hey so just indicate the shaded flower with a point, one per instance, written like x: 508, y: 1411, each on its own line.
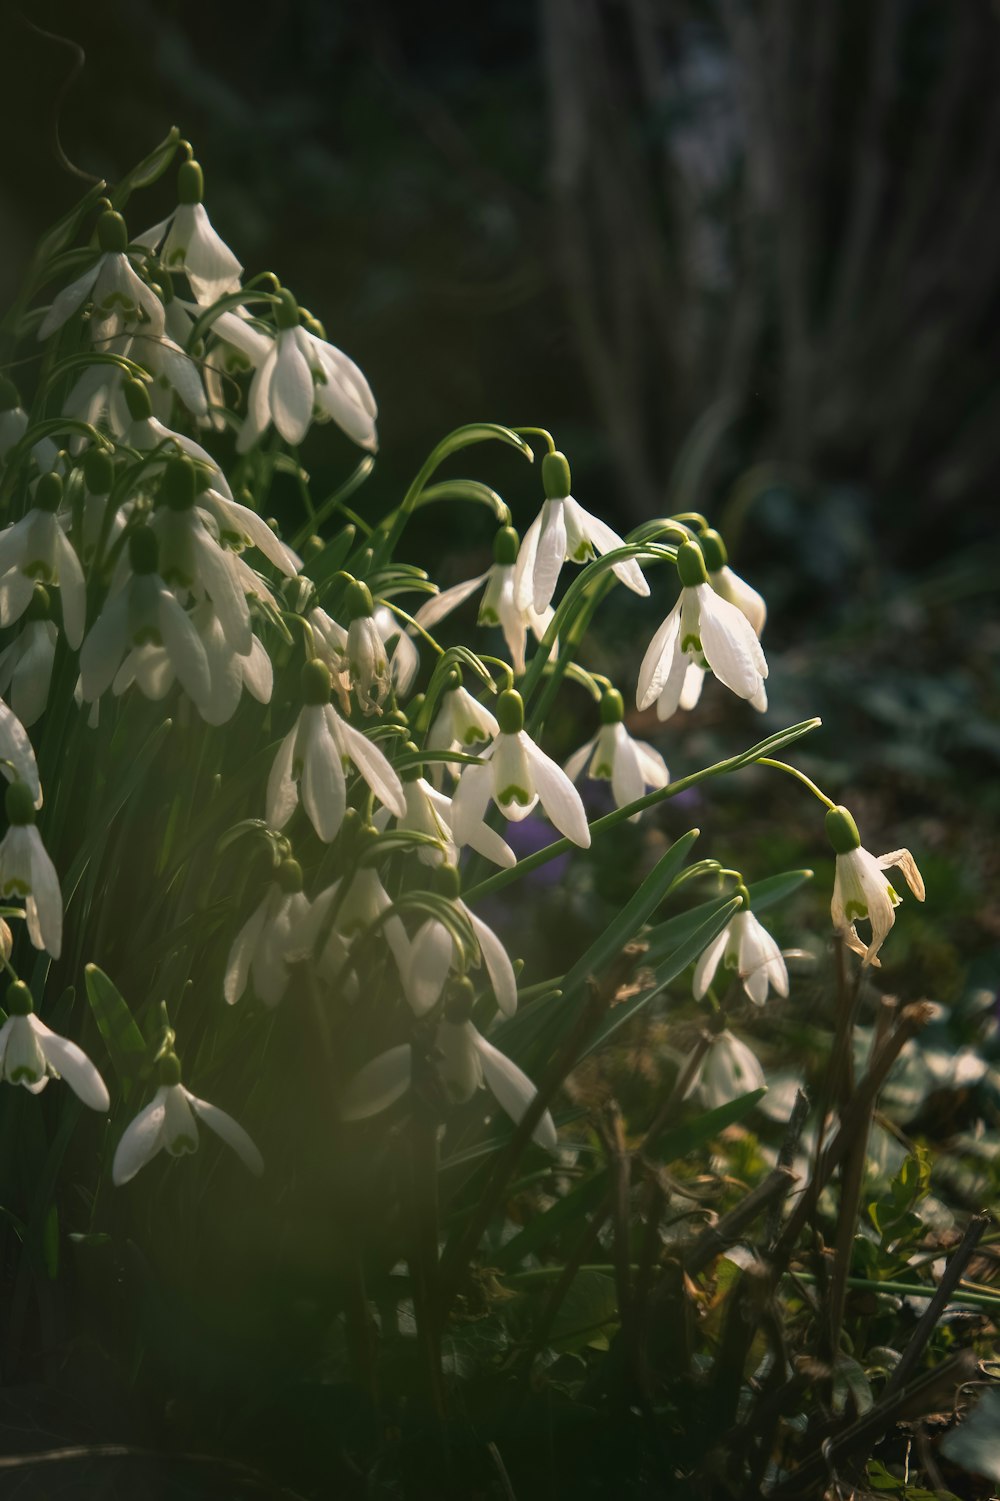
x: 37, y: 550
x: 612, y: 755
x: 119, y: 295
x: 259, y: 952
x: 498, y: 607
x: 191, y: 245
x: 170, y: 1123
x: 747, y: 947
x: 27, y: 872
x: 729, y: 1070
x: 31, y: 1054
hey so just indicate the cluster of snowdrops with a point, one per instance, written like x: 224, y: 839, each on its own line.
x: 134, y: 542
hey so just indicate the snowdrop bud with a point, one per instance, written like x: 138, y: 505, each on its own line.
x: 612, y: 707
x: 315, y: 681
x: 48, y: 493
x: 358, y: 602
x: 98, y: 470
x: 190, y: 183
x: 178, y: 487
x: 143, y: 550
x: 714, y: 550
x: 842, y: 831
x: 556, y: 476
x: 140, y: 408
x: 505, y: 546
x: 112, y: 234
x: 19, y: 805
x: 397, y: 717
x: 286, y: 310
x: 19, y: 1000
x: 459, y: 1001
x: 9, y: 396
x: 170, y: 1070
x: 691, y: 565
x: 510, y: 712
x: 40, y: 607
x: 289, y: 876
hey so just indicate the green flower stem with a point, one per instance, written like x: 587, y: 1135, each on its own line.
x: 912, y: 1290
x: 661, y: 794
x: 800, y: 776
x: 536, y: 432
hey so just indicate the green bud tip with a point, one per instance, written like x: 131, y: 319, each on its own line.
x: 178, y: 485
x: 458, y: 1004
x: 286, y: 310
x: 137, y: 400
x: 190, y: 183
x: 714, y: 550
x: 170, y: 1069
x: 448, y: 882
x: 289, y: 876
x: 143, y: 550
x: 556, y: 478
x: 842, y: 831
x: 415, y: 772
x: 691, y: 565
x: 358, y: 601
x: 19, y: 1000
x: 398, y: 718
x: 40, y: 604
x: 744, y: 896
x: 612, y: 707
x: 452, y: 680
x: 9, y: 395
x: 112, y: 234
x: 48, y: 492
x: 19, y: 804
x: 98, y: 470
x: 505, y: 546
x: 315, y: 682
x: 510, y: 712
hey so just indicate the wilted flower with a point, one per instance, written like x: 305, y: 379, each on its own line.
x: 170, y: 1123
x: 564, y: 532
x: 31, y: 1053
x: 860, y: 890
x: 629, y: 765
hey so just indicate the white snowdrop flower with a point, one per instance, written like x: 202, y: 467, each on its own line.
x: 701, y: 625
x: 191, y: 558
x: 564, y: 532
x: 98, y: 470
x: 517, y: 775
x: 464, y: 1062
x: 434, y: 953
x: 17, y: 758
x: 26, y: 665
x: 259, y: 951
x: 728, y: 584
x: 404, y: 658
x: 14, y: 425
x: 748, y: 948
x: 498, y: 606
x: 461, y: 722
x: 295, y: 373
x: 363, y: 904
x: 120, y: 298
x: 169, y: 1123
x: 36, y: 549
x: 428, y: 812
x: 27, y: 872
x: 729, y: 1070
x: 861, y: 890
x: 143, y: 612
x: 612, y: 755
x: 31, y: 1054
x: 367, y: 660
x: 229, y: 671
x: 311, y: 760
x: 191, y: 245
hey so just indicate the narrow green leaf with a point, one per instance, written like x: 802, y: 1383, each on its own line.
x: 681, y: 1140
x: 148, y: 171
x: 125, y: 1044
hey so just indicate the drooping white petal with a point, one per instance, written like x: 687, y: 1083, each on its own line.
x: 184, y: 645
x: 72, y: 1063
x: 210, y: 266
x: 242, y: 951
x: 578, y: 760
x: 904, y: 861
x: 44, y: 908
x: 430, y: 959
x: 498, y: 965
x: 282, y: 791
x: 229, y: 1131
x: 69, y: 299
x: 291, y: 389
x: 551, y: 554
x: 141, y: 1140
x: 704, y: 971
x: 459, y: 1065
x: 324, y: 790
x: 556, y: 792
x: 440, y: 605
x: 471, y: 798
x: 604, y: 539
x: 627, y: 782
x: 514, y: 1091
x: 23, y: 1056
x: 514, y: 789
x: 372, y: 765
x: 72, y: 588
x: 258, y: 418
x: 378, y: 1085
x: 731, y: 648
x: 658, y: 660
x: 16, y: 747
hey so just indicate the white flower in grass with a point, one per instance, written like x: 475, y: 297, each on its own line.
x: 364, y: 904
x: 230, y: 672
x: 120, y: 298
x: 460, y: 724
x: 464, y: 1062
x: 191, y: 245
x: 498, y: 607
x: 141, y: 613
x: 748, y: 948
x: 729, y: 1070
x: 26, y: 665
x: 311, y: 760
x: 861, y: 890
x: 434, y: 953
x: 517, y: 775
x: 297, y: 372
x: 169, y: 1123
x: 701, y: 627
x: 429, y: 811
x: 37, y: 550
x: 27, y: 872
x: 564, y: 532
x: 31, y: 1054
x: 259, y: 953
x: 612, y: 755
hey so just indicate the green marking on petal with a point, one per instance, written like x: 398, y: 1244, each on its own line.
x: 514, y: 794
x: 691, y: 643
x: 25, y: 1075
x: 603, y: 769
x: 182, y: 1145
x: 854, y: 910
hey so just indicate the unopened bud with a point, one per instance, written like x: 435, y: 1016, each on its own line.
x: 842, y: 831
x: 505, y: 546
x: 49, y: 492
x: 137, y: 400
x: 714, y: 550
x: 316, y: 684
x: 556, y: 478
x: 19, y: 999
x: 19, y: 805
x: 691, y: 565
x: 112, y: 233
x: 510, y: 712
x: 190, y: 183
